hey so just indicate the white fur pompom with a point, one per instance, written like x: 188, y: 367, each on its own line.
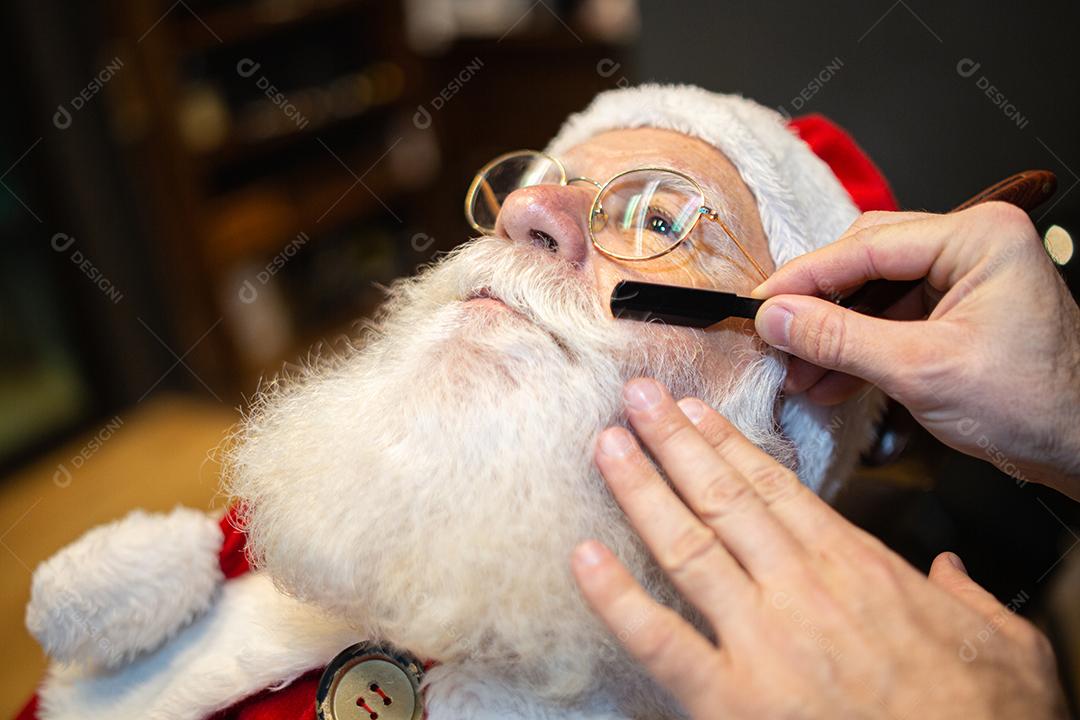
x: 125, y: 587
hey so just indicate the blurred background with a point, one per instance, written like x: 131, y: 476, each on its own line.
x: 195, y: 193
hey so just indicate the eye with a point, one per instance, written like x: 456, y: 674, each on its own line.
x: 659, y: 222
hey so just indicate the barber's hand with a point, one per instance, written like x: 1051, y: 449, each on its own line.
x: 994, y: 371
x: 814, y: 618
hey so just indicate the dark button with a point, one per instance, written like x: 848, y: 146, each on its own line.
x: 370, y: 682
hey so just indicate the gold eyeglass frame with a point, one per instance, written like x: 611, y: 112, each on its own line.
x: 478, y: 185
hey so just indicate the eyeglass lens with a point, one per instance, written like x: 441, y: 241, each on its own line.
x: 511, y: 173
x: 644, y: 213
x: 640, y: 214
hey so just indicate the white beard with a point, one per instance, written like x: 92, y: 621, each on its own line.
x: 429, y: 483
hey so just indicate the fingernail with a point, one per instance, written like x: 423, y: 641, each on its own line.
x: 615, y: 442
x: 757, y: 292
x: 642, y: 394
x: 956, y: 562
x: 693, y: 409
x: 774, y: 326
x: 590, y: 553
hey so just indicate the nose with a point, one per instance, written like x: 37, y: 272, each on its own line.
x: 550, y: 216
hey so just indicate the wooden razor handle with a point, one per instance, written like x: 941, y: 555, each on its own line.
x: 1026, y: 190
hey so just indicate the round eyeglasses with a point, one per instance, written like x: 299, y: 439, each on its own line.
x: 638, y: 214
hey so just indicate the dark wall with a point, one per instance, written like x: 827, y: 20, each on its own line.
x: 894, y: 81
x: 901, y: 76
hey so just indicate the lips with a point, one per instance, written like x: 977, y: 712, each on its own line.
x: 483, y: 294
x: 486, y: 296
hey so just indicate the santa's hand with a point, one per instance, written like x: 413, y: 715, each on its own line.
x: 994, y: 371
x: 813, y: 617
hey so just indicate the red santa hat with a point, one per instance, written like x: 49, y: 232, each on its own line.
x: 810, y: 181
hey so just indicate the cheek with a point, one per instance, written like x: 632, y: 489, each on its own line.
x: 721, y: 350
x: 673, y: 269
x: 732, y: 344
x: 607, y: 275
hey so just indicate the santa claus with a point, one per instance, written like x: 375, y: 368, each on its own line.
x: 409, y: 505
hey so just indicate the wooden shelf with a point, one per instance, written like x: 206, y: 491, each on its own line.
x: 235, y: 151
x: 258, y: 221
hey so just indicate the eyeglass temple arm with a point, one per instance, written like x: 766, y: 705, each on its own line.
x: 489, y: 197
x: 716, y: 219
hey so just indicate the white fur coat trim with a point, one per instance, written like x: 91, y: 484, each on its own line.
x: 255, y: 638
x: 124, y: 588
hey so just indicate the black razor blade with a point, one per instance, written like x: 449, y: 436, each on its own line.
x: 673, y: 305
x: 694, y: 307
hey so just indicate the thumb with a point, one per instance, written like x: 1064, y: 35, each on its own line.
x: 948, y: 573
x: 836, y: 338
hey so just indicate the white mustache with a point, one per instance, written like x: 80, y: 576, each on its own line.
x: 546, y: 289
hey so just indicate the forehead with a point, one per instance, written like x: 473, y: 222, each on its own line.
x: 613, y: 151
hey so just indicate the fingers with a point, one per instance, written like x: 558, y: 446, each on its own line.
x: 809, y: 519
x: 834, y: 388
x: 830, y: 387
x: 683, y: 546
x: 882, y: 217
x: 669, y: 647
x: 832, y: 337
x: 943, y: 249
x: 948, y: 572
x: 714, y: 490
x: 801, y: 375
x: 824, y: 387
x: 895, y: 251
